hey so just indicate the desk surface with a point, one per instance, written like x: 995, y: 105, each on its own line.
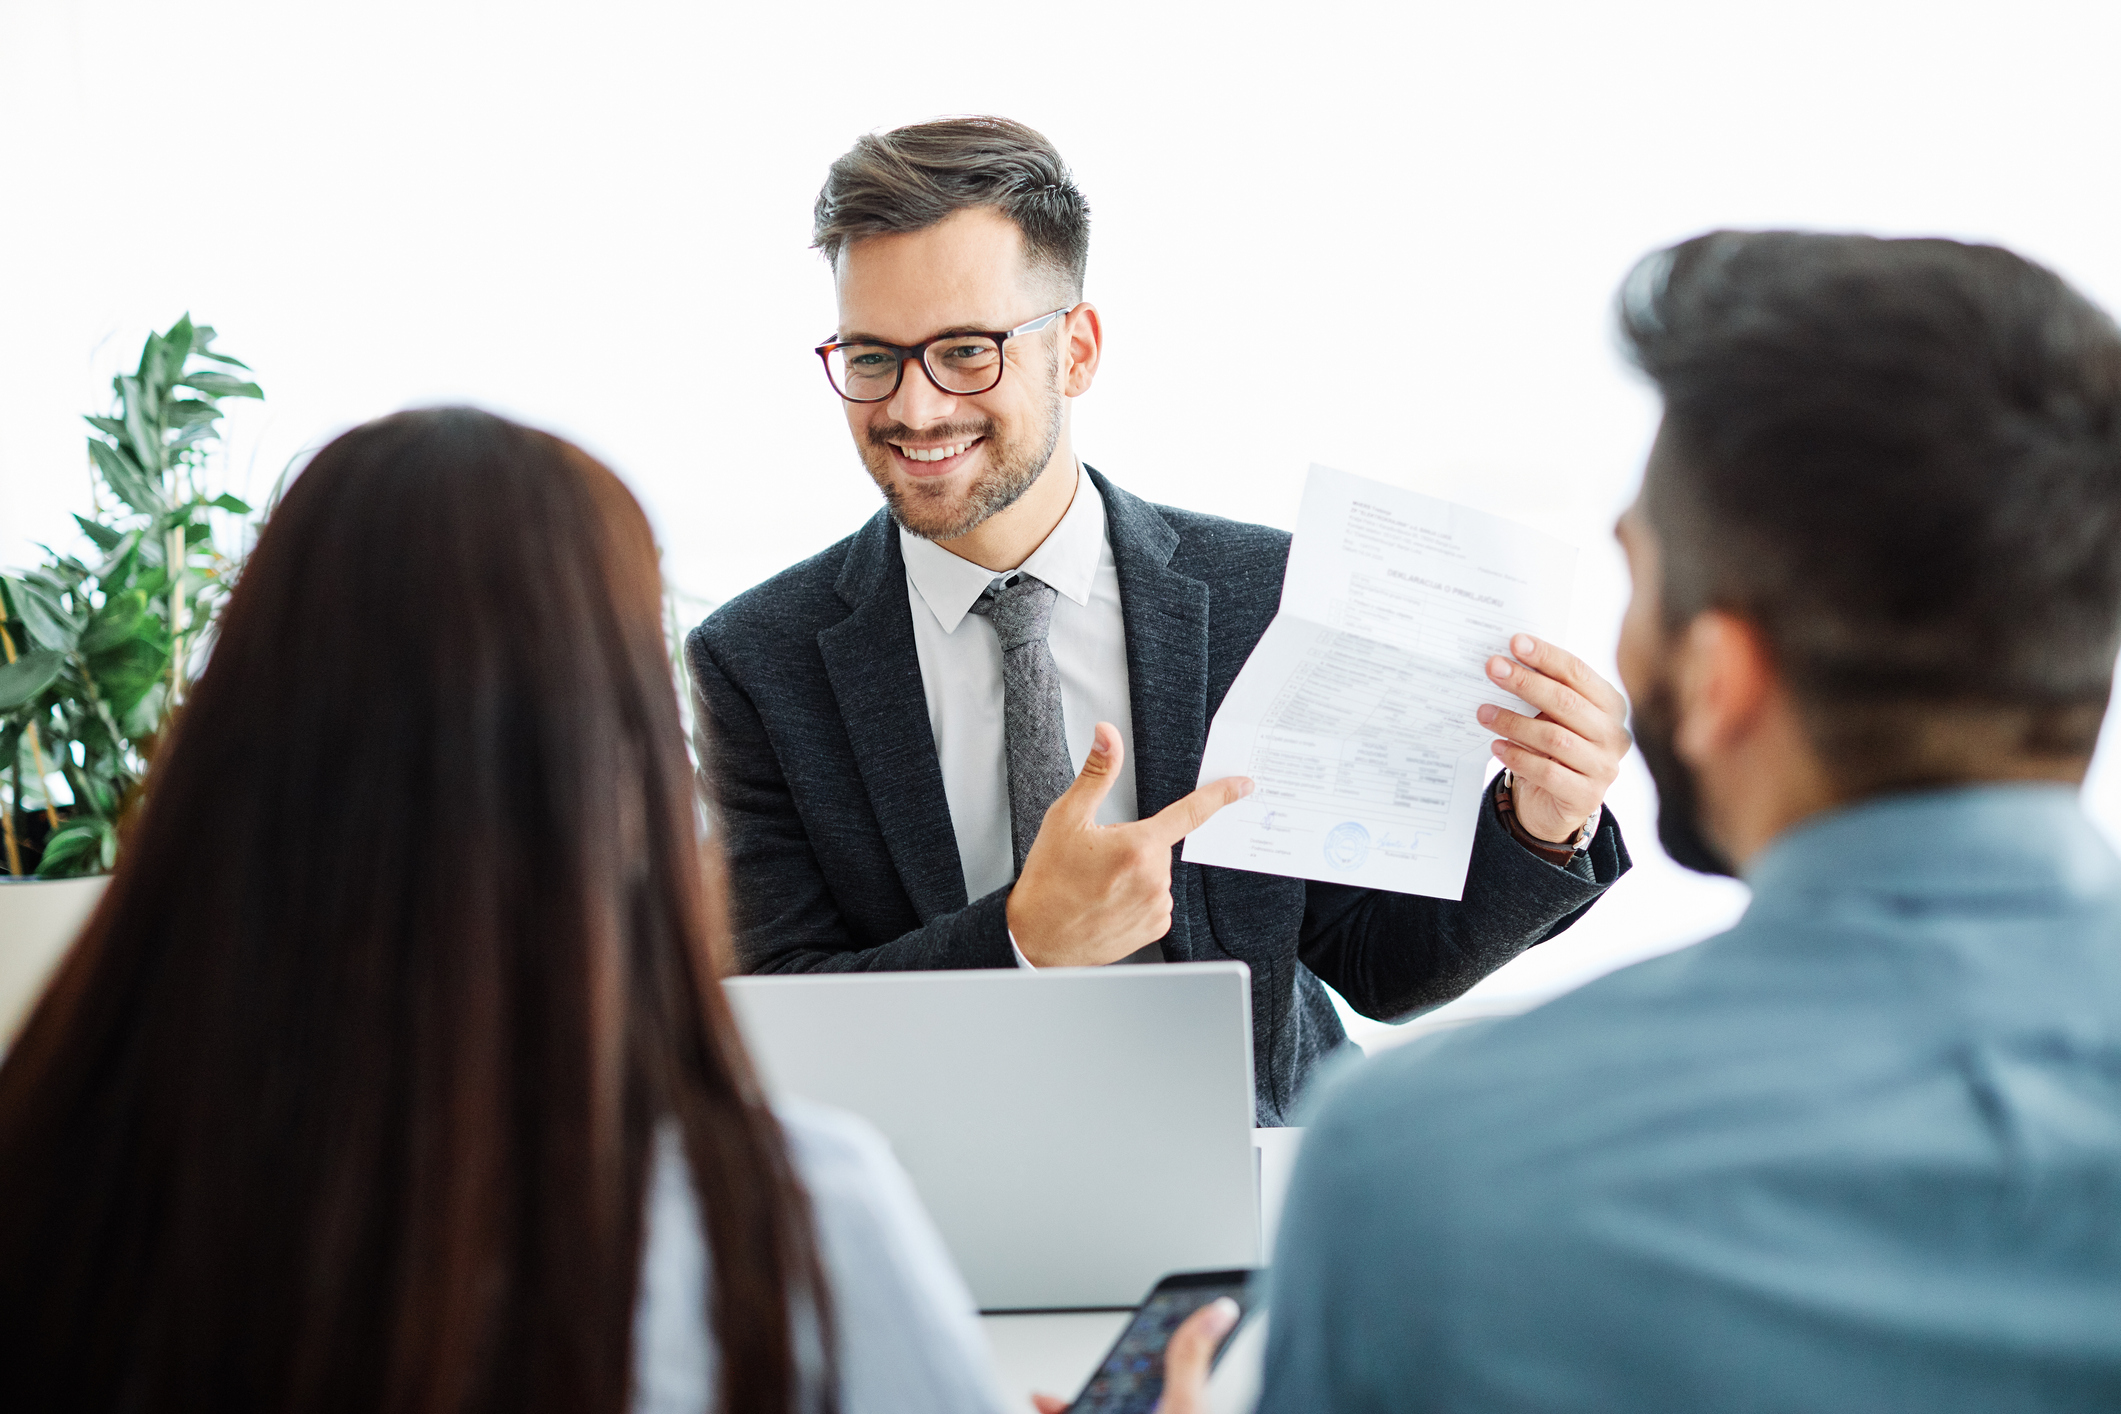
x: 1052, y: 1353
x: 1055, y: 1352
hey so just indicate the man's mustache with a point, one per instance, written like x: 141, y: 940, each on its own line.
x: 942, y: 434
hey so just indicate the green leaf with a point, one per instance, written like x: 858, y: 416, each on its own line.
x: 120, y: 618
x: 60, y: 577
x: 108, y: 426
x: 230, y: 503
x: 105, y: 537
x: 183, y: 412
x: 126, y: 672
x: 133, y: 488
x: 150, y: 363
x: 146, y: 714
x: 220, y: 385
x: 115, y: 571
x: 93, y: 797
x: 43, y: 615
x: 192, y: 436
x: 176, y: 351
x: 152, y: 576
x: 141, y: 440
x: 202, y: 347
x: 78, y: 848
x: 28, y: 675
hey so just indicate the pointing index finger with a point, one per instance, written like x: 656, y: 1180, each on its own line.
x: 1189, y: 812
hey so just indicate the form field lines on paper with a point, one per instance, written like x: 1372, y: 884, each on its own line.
x: 1424, y: 620
x: 1355, y: 713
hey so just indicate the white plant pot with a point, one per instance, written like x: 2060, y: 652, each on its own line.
x: 38, y: 921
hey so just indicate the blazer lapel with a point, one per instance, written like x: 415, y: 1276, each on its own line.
x: 876, y: 679
x: 1166, y: 617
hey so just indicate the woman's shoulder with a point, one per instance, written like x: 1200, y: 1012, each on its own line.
x: 908, y: 1328
x: 832, y: 1142
x: 863, y: 1202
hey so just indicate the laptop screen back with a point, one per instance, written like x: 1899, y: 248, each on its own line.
x: 1075, y: 1134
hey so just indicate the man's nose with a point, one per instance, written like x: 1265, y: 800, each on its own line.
x: 918, y: 402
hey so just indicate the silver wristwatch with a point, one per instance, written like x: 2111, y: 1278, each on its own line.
x: 1578, y: 843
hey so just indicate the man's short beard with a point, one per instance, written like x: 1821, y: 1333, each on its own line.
x: 1678, y: 796
x: 1013, y: 467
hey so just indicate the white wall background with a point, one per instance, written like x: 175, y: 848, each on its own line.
x: 1382, y: 237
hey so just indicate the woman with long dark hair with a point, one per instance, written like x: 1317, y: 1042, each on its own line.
x: 396, y: 1041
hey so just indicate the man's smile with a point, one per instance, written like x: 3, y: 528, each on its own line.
x: 936, y: 459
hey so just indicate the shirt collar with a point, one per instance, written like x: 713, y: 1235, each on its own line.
x: 1068, y: 560
x: 1972, y: 841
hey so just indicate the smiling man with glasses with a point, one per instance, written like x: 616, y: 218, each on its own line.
x: 968, y: 735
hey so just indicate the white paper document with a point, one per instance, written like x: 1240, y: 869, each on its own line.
x: 1354, y: 714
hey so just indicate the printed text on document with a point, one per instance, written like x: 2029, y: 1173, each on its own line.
x: 1354, y: 714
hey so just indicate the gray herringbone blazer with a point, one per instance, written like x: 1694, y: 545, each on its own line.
x: 829, y: 796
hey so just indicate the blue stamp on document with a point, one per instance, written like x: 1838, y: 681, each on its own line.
x: 1347, y: 845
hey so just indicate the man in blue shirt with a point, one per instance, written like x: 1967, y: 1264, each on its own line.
x: 1863, y: 1151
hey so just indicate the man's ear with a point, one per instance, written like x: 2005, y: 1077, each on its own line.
x: 1082, y: 344
x: 1725, y: 682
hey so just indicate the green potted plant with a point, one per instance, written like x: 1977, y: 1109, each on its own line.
x: 96, y: 649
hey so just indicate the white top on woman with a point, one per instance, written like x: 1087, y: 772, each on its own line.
x: 908, y: 1332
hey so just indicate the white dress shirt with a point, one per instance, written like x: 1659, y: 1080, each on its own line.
x: 961, y: 673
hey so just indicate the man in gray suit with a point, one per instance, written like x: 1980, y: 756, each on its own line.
x: 892, y: 727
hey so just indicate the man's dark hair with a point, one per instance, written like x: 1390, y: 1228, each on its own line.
x: 912, y: 177
x: 1901, y: 459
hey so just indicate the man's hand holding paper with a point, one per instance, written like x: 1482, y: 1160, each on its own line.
x: 1565, y: 758
x: 1367, y: 710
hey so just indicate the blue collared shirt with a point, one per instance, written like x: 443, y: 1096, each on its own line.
x: 1861, y: 1152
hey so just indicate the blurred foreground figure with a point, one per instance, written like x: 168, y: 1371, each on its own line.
x: 392, y: 1072
x: 1863, y: 1151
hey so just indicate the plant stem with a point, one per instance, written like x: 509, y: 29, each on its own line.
x: 77, y: 781
x: 51, y: 812
x: 14, y: 803
x: 174, y: 554
x: 29, y: 731
x: 95, y: 700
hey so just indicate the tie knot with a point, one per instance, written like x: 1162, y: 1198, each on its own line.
x: 1019, y: 610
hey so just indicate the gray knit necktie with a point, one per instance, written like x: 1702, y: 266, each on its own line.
x: 1039, y: 771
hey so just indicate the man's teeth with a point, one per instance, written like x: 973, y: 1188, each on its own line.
x: 932, y: 454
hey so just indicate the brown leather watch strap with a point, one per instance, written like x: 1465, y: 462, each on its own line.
x: 1557, y: 854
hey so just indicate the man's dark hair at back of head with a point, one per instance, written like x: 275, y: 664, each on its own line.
x: 1901, y: 459
x: 914, y: 177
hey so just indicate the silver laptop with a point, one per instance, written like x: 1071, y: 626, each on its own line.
x: 1076, y: 1133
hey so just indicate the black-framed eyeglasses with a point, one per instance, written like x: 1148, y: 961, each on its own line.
x: 959, y: 364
